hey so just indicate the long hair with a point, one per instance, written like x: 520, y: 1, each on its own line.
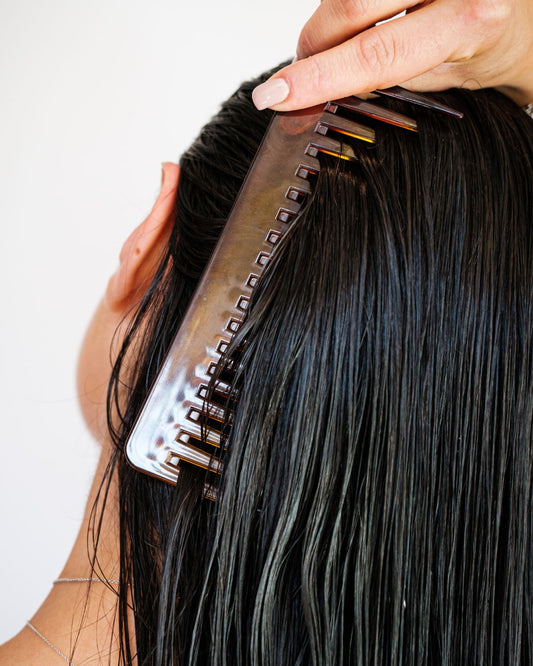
x: 375, y: 506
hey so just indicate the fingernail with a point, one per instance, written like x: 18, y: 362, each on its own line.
x: 270, y: 93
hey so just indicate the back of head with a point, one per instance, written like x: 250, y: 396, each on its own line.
x: 376, y: 501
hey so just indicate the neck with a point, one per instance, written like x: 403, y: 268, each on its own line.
x: 79, y: 618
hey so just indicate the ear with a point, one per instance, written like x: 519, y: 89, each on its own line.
x: 144, y: 248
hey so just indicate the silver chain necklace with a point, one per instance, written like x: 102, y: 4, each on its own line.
x: 67, y: 580
x: 50, y: 644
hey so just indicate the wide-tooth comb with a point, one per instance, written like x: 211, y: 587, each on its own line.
x: 420, y: 99
x: 181, y: 420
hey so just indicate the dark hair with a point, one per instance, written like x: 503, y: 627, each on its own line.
x: 376, y: 502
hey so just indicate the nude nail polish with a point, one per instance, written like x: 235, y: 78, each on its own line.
x: 270, y: 93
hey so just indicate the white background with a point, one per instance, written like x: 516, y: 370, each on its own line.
x: 93, y: 97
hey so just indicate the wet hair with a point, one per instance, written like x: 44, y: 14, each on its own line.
x: 375, y: 506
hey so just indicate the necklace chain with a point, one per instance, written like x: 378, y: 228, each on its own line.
x: 68, y: 580
x: 50, y: 644
x: 86, y: 580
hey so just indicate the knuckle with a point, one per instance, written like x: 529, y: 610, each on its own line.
x: 376, y: 53
x: 306, y: 42
x: 489, y: 14
x: 350, y: 11
x: 318, y: 74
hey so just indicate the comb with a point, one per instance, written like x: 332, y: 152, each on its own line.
x: 181, y: 420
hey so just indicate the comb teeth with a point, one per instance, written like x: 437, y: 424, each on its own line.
x: 182, y: 420
x: 373, y: 111
x: 397, y: 92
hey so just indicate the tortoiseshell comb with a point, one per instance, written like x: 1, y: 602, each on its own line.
x: 171, y: 429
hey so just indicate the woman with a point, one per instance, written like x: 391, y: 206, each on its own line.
x: 117, y: 302
x: 376, y: 508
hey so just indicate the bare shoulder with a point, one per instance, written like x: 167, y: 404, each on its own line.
x: 23, y: 648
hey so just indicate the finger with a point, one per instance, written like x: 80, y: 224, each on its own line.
x: 336, y: 21
x: 453, y: 75
x: 502, y: 58
x: 386, y: 55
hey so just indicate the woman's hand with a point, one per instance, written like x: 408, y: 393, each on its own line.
x: 438, y: 44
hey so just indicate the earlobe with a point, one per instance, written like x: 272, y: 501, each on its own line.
x: 143, y: 249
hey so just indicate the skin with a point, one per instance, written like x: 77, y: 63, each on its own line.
x: 438, y: 44
x: 76, y: 613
